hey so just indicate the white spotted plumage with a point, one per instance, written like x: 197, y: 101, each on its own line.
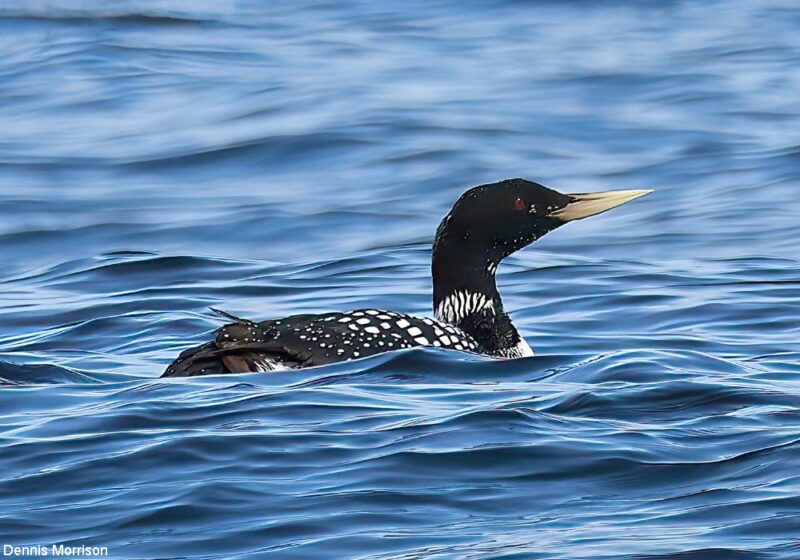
x: 359, y: 336
x: 300, y: 341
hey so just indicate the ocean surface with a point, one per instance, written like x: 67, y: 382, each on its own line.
x: 268, y: 158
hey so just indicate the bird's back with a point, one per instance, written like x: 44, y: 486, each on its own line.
x: 301, y: 341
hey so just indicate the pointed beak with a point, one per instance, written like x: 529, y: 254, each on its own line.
x: 583, y: 205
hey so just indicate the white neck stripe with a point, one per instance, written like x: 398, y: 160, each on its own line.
x: 460, y: 304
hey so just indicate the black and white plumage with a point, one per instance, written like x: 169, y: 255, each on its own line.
x: 311, y: 340
x: 486, y: 224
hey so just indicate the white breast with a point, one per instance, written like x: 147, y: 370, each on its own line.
x: 521, y: 350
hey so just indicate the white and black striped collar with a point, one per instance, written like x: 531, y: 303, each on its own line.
x: 461, y: 303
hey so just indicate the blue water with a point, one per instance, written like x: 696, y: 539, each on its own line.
x: 160, y: 157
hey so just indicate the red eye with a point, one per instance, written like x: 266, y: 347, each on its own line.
x: 520, y: 204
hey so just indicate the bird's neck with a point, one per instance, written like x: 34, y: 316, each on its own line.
x: 465, y: 295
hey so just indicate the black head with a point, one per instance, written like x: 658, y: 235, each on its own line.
x: 490, y: 222
x: 501, y: 218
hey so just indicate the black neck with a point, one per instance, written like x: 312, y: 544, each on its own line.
x: 465, y: 292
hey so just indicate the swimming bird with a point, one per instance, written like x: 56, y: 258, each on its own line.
x: 486, y: 224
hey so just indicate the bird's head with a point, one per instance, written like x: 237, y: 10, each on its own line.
x: 495, y: 220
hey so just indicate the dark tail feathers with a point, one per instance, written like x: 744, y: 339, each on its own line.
x: 239, y: 347
x: 200, y: 360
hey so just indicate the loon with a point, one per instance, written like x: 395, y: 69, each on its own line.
x: 486, y: 224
